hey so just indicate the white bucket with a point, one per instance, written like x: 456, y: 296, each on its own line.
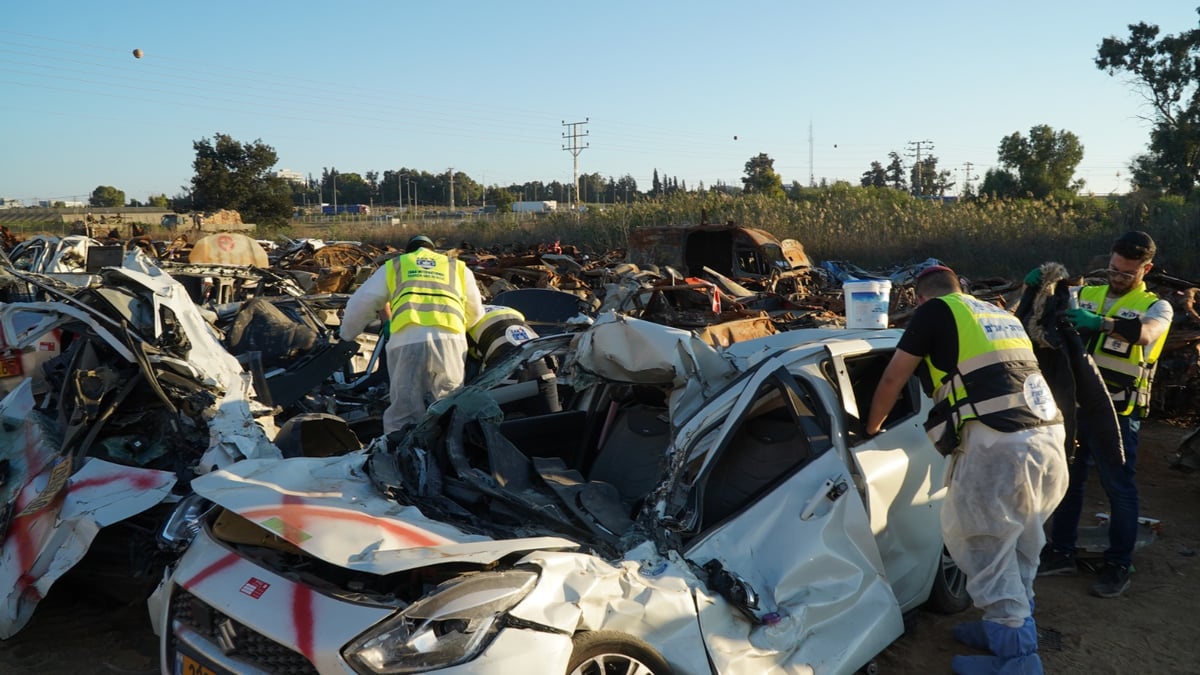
x: 867, y: 303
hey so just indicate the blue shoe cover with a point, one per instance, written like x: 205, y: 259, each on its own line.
x: 1015, y: 652
x: 971, y: 634
x: 1029, y: 664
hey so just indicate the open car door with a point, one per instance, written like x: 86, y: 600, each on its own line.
x: 795, y: 579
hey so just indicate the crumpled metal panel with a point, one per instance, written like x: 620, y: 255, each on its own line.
x: 644, y: 595
x: 233, y: 430
x: 824, y: 582
x: 327, y: 507
x: 54, y: 518
x: 624, y: 349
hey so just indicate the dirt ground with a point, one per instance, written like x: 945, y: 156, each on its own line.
x: 1151, y: 629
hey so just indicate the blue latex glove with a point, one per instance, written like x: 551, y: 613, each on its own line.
x: 1034, y: 278
x: 1084, y: 319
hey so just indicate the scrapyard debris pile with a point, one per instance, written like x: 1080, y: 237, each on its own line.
x: 148, y: 363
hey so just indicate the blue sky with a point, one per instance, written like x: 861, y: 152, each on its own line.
x: 484, y: 87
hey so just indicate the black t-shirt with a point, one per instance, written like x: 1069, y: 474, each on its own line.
x: 931, y: 332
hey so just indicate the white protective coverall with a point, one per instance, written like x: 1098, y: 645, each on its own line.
x: 424, y: 363
x: 1003, y: 488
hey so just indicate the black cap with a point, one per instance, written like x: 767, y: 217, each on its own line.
x: 1135, y: 245
x: 419, y: 241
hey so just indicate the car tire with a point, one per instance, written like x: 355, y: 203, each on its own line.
x: 602, y: 652
x: 949, y: 593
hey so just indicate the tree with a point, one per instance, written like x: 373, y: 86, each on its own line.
x: 107, y: 195
x: 873, y: 177
x: 159, y: 201
x: 761, y: 177
x: 1166, y: 71
x: 232, y: 175
x: 928, y: 181
x: 895, y: 172
x: 1000, y: 183
x: 351, y: 187
x: 1043, y: 163
x: 500, y: 198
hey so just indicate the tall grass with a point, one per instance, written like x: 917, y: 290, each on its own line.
x: 870, y: 227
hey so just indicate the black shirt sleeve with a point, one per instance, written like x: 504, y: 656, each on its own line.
x: 931, y: 332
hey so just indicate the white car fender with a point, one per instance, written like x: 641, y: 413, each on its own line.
x: 645, y: 595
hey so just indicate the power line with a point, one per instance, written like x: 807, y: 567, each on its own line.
x: 574, y: 148
x: 917, y: 145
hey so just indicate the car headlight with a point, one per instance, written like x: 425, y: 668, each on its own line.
x: 184, y: 522
x: 449, y: 626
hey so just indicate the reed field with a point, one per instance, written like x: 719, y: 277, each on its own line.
x: 873, y: 228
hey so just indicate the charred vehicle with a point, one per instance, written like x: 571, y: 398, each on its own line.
x: 682, y: 508
x: 747, y: 255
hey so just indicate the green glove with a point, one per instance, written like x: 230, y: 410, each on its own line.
x: 1034, y: 278
x: 1084, y: 319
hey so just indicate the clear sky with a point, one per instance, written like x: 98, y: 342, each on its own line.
x: 692, y: 88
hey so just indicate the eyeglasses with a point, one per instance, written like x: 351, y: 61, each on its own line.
x: 1118, y: 274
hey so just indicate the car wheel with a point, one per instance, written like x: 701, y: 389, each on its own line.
x: 605, y: 652
x: 949, y: 594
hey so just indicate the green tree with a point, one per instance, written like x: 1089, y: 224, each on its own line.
x: 876, y: 176
x: 895, y: 172
x: 107, y: 195
x: 1166, y: 72
x: 1043, y: 163
x: 159, y: 201
x: 1000, y: 183
x: 761, y: 177
x: 351, y: 188
x: 500, y: 198
x: 233, y: 175
x: 928, y: 181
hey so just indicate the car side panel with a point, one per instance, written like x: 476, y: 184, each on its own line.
x: 821, y: 575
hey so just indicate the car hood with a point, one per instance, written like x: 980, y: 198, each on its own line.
x: 327, y: 508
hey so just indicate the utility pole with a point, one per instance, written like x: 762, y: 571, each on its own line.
x: 812, y: 181
x: 917, y: 145
x: 573, y: 146
x: 451, y: 172
x: 967, y: 177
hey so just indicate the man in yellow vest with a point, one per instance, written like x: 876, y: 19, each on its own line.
x: 996, y: 418
x: 428, y: 300
x: 1125, y: 327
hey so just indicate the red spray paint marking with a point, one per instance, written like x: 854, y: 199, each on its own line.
x: 224, y: 562
x: 302, y: 618
x: 140, y: 480
x: 294, y: 515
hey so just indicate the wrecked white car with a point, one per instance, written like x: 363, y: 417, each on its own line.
x: 671, y: 508
x: 115, y: 394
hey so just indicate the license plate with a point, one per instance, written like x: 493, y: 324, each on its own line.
x: 186, y: 665
x: 10, y: 366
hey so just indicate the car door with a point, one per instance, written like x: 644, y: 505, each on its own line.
x: 783, y: 534
x: 899, y: 471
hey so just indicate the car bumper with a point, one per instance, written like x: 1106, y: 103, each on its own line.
x: 226, y: 614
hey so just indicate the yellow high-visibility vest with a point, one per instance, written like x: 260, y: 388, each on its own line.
x: 994, y: 369
x: 1128, y: 369
x: 426, y: 289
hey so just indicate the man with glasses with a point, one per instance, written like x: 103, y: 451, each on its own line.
x: 1124, y: 326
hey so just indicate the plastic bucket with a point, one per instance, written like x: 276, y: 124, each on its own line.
x: 867, y: 303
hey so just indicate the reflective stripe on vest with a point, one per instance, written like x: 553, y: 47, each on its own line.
x: 493, y: 330
x: 1128, y: 369
x: 426, y: 289
x: 995, y: 356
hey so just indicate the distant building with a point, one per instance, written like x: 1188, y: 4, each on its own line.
x: 9, y: 203
x: 52, y: 203
x: 291, y: 176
